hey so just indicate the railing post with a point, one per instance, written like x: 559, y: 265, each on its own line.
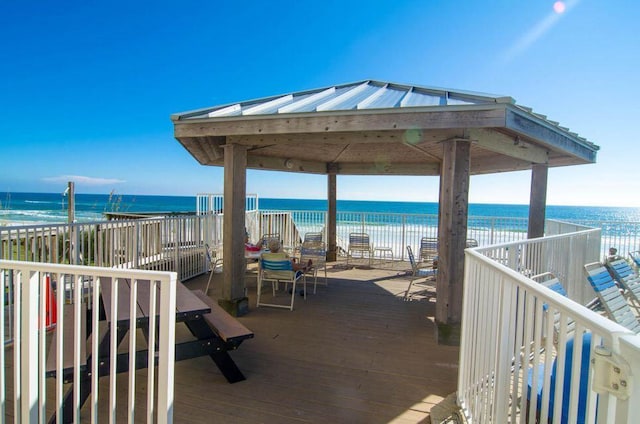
x: 166, y: 352
x: 404, y: 237
x: 27, y: 342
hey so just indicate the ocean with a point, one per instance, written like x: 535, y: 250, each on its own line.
x: 31, y: 208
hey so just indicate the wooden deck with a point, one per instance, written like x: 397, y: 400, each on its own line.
x: 355, y: 352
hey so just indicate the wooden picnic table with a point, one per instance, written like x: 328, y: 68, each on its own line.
x: 215, y: 333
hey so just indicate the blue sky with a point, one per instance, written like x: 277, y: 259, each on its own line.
x: 87, y: 87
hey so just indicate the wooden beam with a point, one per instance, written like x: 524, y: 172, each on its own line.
x: 234, y: 268
x: 285, y: 164
x: 506, y: 145
x: 497, y: 163
x: 537, y: 201
x: 332, y: 245
x: 452, y: 236
x: 418, y: 169
x: 555, y: 138
x: 467, y: 116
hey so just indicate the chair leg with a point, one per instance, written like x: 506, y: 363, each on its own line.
x: 206, y: 291
x: 293, y: 294
x: 406, y: 294
x: 259, y: 289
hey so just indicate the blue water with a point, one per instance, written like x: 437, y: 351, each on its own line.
x: 52, y: 207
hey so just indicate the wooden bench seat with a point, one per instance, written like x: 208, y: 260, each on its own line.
x: 67, y: 355
x: 224, y: 324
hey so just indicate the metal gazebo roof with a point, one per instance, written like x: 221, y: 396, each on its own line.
x: 377, y: 128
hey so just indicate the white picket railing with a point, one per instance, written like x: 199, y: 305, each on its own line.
x: 76, y: 287
x: 514, y: 330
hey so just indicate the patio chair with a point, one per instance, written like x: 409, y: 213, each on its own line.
x: 628, y: 279
x: 428, y: 249
x: 312, y: 238
x: 359, y: 242
x: 318, y: 255
x: 612, y: 300
x: 214, y: 259
x: 635, y: 257
x: 417, y: 273
x: 269, y: 236
x: 472, y: 243
x: 277, y: 271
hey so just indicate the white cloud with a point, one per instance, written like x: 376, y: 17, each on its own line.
x: 79, y: 179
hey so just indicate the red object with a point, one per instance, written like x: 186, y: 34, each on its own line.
x: 251, y: 248
x: 51, y: 308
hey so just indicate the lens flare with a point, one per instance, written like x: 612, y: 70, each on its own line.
x: 559, y: 7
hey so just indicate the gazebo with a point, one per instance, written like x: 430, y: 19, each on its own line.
x: 380, y: 128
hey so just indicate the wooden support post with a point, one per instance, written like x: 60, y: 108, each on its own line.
x: 537, y: 200
x: 452, y: 236
x: 332, y: 254
x: 234, y: 299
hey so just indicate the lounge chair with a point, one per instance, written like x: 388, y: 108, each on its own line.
x: 417, y: 273
x: 359, y: 242
x: 472, y: 243
x: 428, y: 249
x: 628, y: 279
x: 277, y: 271
x: 612, y: 300
x: 635, y: 257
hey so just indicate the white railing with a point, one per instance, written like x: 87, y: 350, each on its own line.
x: 76, y: 288
x: 563, y: 255
x: 515, y: 333
x: 172, y: 243
x: 213, y: 203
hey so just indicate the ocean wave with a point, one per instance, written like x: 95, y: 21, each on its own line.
x: 40, y: 202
